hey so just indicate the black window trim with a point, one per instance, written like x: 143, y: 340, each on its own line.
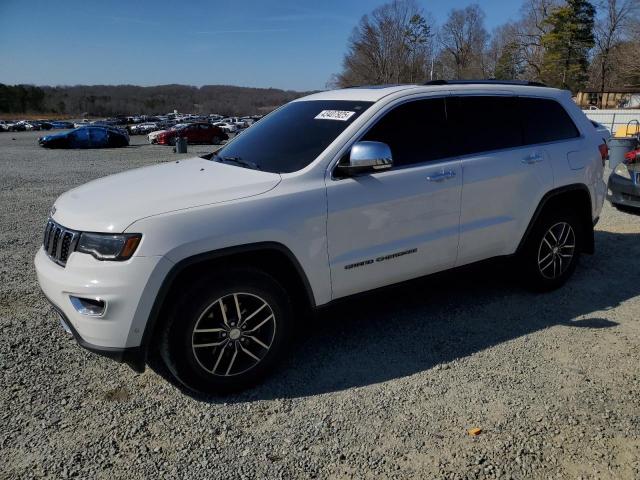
x: 333, y: 165
x: 575, y: 125
x: 523, y: 146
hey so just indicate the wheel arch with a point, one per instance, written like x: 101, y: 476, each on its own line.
x: 272, y: 257
x: 575, y: 195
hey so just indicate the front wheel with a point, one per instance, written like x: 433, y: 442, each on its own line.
x: 552, y: 250
x: 225, y: 335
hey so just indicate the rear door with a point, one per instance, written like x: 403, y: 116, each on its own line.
x: 98, y: 137
x: 204, y: 133
x: 79, y: 138
x: 192, y: 134
x: 393, y: 225
x: 503, y: 178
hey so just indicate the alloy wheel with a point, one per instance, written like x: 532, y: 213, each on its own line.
x: 556, y: 250
x: 233, y: 334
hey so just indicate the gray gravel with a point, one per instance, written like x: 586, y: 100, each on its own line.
x: 383, y: 386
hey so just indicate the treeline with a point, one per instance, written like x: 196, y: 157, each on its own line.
x: 21, y: 98
x: 110, y: 100
x: 564, y: 43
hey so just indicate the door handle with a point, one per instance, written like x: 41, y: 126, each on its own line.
x: 441, y: 176
x: 533, y: 158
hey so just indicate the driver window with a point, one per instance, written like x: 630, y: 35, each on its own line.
x: 415, y: 131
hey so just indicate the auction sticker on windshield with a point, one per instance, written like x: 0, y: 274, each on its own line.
x: 342, y: 115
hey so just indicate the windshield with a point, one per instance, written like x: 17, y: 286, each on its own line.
x: 292, y: 137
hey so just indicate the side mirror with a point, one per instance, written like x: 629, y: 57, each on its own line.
x: 367, y: 156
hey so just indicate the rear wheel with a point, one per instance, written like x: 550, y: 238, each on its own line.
x: 552, y: 250
x: 225, y: 335
x: 215, y: 140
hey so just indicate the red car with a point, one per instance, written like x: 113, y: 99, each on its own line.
x: 194, y: 133
x: 632, y: 156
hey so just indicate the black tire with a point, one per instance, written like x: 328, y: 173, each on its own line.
x: 215, y: 140
x: 205, y: 369
x: 172, y: 142
x: 540, y: 249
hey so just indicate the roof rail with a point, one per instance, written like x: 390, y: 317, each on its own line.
x: 485, y: 82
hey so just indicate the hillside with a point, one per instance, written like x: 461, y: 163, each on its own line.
x: 108, y: 100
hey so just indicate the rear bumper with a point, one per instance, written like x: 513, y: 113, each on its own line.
x: 622, y: 191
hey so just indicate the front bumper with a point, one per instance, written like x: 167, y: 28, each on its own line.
x: 622, y: 191
x: 128, y: 288
x: 135, y: 357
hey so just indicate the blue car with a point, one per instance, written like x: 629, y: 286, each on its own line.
x: 87, y: 137
x: 62, y: 125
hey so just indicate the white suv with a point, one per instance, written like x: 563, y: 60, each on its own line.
x: 209, y: 261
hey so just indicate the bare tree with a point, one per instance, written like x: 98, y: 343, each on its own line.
x: 503, y: 57
x: 391, y: 45
x: 529, y: 32
x: 463, y: 39
x: 610, y: 32
x: 627, y: 59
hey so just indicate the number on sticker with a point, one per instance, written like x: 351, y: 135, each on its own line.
x: 342, y: 115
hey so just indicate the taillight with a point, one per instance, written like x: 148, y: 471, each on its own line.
x: 604, y: 152
x: 632, y: 156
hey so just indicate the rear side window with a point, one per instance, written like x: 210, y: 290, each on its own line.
x: 415, y: 131
x: 545, y: 120
x: 484, y: 123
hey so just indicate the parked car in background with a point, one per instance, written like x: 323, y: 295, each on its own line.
x: 87, y: 137
x: 624, y: 183
x: 153, y: 136
x: 61, y: 124
x: 37, y: 125
x: 82, y: 123
x: 142, y: 128
x: 19, y: 126
x: 200, y: 132
x: 226, y: 127
x: 240, y: 124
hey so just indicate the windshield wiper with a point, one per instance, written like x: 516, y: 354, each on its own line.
x: 237, y: 161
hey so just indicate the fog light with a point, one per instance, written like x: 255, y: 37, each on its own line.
x: 92, y: 307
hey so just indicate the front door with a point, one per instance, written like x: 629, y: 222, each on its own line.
x: 402, y: 223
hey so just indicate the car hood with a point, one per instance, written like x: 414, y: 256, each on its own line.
x: 112, y: 203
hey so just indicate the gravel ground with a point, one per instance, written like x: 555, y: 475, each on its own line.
x: 382, y: 386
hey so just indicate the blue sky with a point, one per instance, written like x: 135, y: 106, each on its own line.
x: 283, y: 44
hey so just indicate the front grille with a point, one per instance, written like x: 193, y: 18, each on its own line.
x: 59, y: 242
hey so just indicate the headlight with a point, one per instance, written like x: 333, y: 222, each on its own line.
x: 105, y: 246
x: 622, y: 170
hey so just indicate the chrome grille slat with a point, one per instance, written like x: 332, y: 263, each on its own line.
x: 45, y: 241
x: 52, y: 241
x: 59, y: 242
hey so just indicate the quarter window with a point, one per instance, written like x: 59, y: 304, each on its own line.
x: 545, y: 120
